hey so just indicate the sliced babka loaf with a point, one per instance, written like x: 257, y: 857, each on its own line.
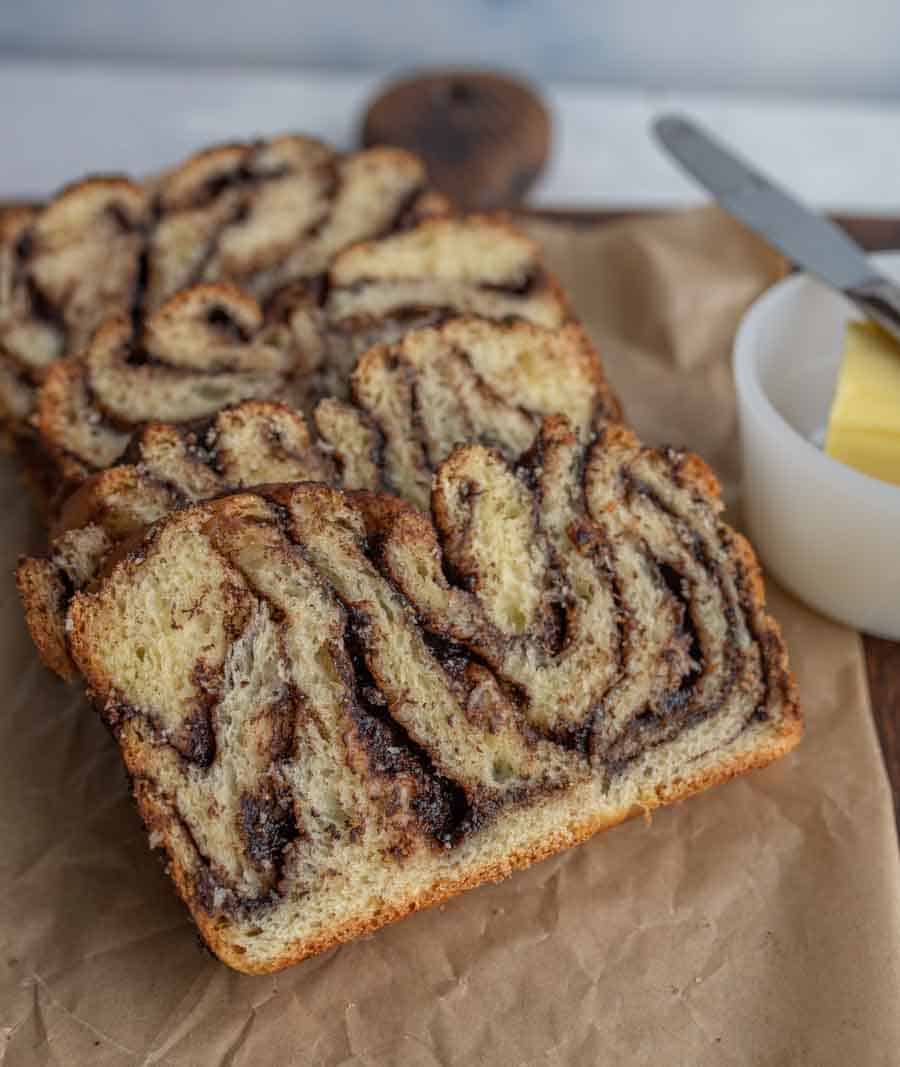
x: 335, y: 710
x: 260, y: 215
x: 213, y: 345
x: 467, y: 380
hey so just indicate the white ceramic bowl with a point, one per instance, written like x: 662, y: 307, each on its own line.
x: 826, y: 532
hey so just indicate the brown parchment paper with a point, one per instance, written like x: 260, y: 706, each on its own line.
x: 756, y: 924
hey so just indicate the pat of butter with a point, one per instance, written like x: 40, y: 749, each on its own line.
x: 864, y: 426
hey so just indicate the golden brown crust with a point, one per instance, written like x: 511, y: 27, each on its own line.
x: 120, y: 500
x: 697, y: 471
x: 43, y: 596
x: 45, y: 585
x: 65, y: 421
x: 566, y: 837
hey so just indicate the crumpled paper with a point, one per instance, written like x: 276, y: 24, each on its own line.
x: 756, y: 924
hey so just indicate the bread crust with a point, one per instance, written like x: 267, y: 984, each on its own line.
x: 567, y: 837
x: 43, y: 595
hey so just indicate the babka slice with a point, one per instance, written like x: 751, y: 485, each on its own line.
x: 205, y: 348
x: 260, y: 215
x: 213, y: 345
x: 468, y: 380
x: 378, y: 290
x: 336, y: 710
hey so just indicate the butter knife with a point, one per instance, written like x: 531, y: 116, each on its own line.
x: 810, y: 240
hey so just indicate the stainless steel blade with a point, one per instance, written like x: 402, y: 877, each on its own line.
x: 810, y: 240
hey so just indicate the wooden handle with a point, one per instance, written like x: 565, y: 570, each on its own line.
x: 484, y: 137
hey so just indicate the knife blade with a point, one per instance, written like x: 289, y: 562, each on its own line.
x: 813, y: 242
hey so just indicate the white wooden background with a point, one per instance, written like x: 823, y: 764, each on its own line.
x: 813, y: 47
x: 60, y: 120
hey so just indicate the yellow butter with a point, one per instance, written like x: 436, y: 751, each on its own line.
x: 864, y: 425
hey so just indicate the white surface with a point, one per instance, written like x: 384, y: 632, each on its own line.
x: 62, y: 121
x: 808, y: 46
x: 827, y: 532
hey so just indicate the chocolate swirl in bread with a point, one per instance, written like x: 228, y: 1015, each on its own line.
x: 378, y: 290
x: 414, y: 400
x: 213, y: 345
x: 260, y: 215
x: 204, y: 348
x: 336, y: 709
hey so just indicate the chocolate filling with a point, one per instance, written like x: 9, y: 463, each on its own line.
x: 440, y: 804
x: 225, y: 324
x: 142, y: 280
x: 333, y: 185
x: 137, y: 355
x: 675, y: 583
x: 119, y: 216
x: 199, y: 744
x: 43, y: 309
x: 406, y: 214
x: 213, y: 187
x: 678, y: 712
x: 524, y: 286
x: 267, y: 826
x: 309, y: 291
